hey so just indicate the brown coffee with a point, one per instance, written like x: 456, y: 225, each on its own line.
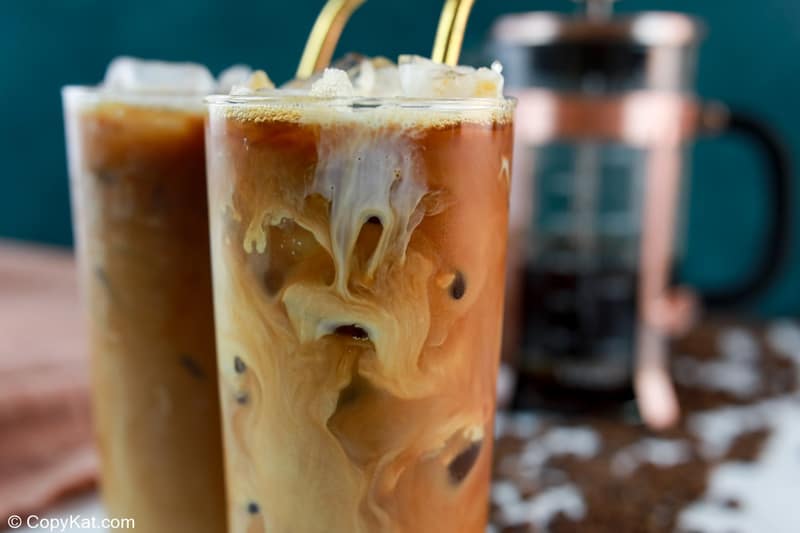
x: 138, y: 185
x: 359, y: 251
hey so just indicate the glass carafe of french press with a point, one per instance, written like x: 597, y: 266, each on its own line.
x: 606, y: 114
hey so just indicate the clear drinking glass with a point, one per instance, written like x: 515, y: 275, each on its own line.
x: 137, y: 170
x: 358, y: 250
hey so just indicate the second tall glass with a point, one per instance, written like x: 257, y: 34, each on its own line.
x: 137, y: 168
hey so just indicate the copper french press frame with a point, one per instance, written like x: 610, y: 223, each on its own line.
x: 660, y: 114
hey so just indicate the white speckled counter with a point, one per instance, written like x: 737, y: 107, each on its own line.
x: 732, y: 465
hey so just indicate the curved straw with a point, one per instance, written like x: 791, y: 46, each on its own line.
x: 450, y: 33
x: 324, y: 35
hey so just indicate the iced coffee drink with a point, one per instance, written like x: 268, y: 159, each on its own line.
x: 137, y: 166
x: 358, y: 244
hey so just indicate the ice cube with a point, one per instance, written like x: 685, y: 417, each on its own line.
x: 302, y: 85
x: 334, y: 83
x: 376, y: 77
x: 387, y: 82
x: 416, y: 77
x: 423, y: 78
x: 363, y: 78
x: 258, y: 82
x: 137, y: 75
x: 231, y: 76
x: 349, y: 63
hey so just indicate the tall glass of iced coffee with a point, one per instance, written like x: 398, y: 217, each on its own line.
x: 358, y: 236
x: 137, y: 167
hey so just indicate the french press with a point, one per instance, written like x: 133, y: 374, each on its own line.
x: 606, y: 115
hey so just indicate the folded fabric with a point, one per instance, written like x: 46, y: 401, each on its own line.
x: 46, y: 447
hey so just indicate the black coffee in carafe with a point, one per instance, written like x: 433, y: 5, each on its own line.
x: 585, y: 320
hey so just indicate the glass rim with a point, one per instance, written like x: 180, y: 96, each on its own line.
x: 100, y: 91
x: 296, y: 99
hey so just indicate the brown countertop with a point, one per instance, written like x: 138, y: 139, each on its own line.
x: 45, y: 433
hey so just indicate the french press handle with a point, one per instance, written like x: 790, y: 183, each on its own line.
x: 717, y: 118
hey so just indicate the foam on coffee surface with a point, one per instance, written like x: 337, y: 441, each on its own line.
x: 329, y: 96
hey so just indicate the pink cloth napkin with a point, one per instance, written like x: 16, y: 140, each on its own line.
x: 46, y: 447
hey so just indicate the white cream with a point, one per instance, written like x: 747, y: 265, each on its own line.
x: 377, y: 174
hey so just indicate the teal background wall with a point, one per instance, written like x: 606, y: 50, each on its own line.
x: 750, y: 58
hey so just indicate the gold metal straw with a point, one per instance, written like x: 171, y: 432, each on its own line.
x: 324, y: 35
x: 450, y: 33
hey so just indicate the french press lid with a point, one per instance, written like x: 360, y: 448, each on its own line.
x: 597, y: 52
